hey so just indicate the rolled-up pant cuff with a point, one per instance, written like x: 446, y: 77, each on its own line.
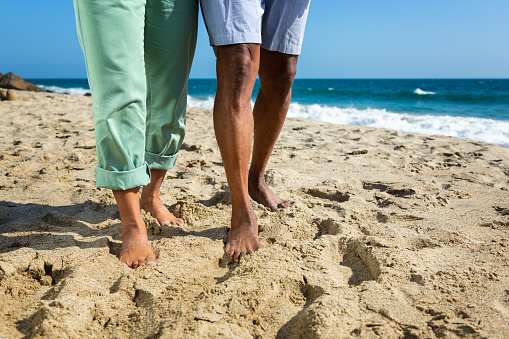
x: 162, y: 162
x: 123, y: 180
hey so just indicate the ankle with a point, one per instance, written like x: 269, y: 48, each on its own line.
x: 245, y: 213
x: 133, y: 225
x: 150, y: 196
x: 256, y: 178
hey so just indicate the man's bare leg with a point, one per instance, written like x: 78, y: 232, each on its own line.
x: 277, y: 72
x: 237, y: 67
x: 151, y: 200
x: 135, y: 250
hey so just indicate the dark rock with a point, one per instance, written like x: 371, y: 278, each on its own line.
x: 13, y: 81
x: 88, y: 94
x: 32, y: 87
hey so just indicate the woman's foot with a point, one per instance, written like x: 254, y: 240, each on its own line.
x: 152, y: 203
x: 151, y: 200
x: 135, y: 250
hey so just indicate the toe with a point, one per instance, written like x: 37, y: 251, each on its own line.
x: 150, y: 260
x: 284, y: 204
x: 242, y: 255
x: 237, y: 256
x: 125, y: 261
x: 229, y: 252
x: 231, y: 255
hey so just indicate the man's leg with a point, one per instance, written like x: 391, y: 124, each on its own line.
x: 277, y: 72
x: 237, y: 67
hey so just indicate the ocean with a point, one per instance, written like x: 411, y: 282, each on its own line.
x: 476, y: 109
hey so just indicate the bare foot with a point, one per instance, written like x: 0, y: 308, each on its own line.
x: 135, y: 250
x: 261, y: 193
x: 154, y: 205
x: 243, y: 235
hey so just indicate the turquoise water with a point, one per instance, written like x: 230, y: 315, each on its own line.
x: 475, y: 109
x: 468, y: 98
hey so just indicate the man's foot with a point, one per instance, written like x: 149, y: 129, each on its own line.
x: 261, y: 193
x: 242, y: 236
x: 135, y: 250
x: 156, y: 208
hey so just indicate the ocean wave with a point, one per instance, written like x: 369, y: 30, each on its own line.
x: 204, y: 103
x: 486, y: 130
x: 419, y: 91
x: 62, y: 90
x: 195, y: 102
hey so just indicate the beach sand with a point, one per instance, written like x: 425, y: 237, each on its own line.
x: 390, y: 235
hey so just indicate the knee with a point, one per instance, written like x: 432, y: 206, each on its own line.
x: 279, y: 78
x: 236, y: 64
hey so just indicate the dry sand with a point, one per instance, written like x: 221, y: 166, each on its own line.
x: 390, y: 235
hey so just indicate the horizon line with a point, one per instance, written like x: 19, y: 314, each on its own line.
x: 346, y: 78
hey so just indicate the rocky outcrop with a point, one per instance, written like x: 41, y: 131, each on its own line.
x: 13, y: 81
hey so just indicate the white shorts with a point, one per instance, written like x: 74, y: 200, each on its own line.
x: 278, y: 25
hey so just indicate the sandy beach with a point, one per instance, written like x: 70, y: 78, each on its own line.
x: 390, y: 235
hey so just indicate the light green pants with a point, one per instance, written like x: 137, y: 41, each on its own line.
x: 138, y: 55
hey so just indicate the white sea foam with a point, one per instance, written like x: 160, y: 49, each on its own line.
x: 486, y: 130
x: 62, y: 90
x: 194, y: 102
x: 421, y: 92
x: 204, y: 103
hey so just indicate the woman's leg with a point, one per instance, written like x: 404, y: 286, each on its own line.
x: 135, y: 250
x: 170, y: 40
x: 151, y: 200
x: 111, y: 34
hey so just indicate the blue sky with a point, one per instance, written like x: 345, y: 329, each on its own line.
x: 344, y: 39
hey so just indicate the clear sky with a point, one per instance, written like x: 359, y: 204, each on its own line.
x: 344, y: 39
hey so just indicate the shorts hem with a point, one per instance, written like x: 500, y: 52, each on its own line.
x: 282, y: 47
x: 231, y: 39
